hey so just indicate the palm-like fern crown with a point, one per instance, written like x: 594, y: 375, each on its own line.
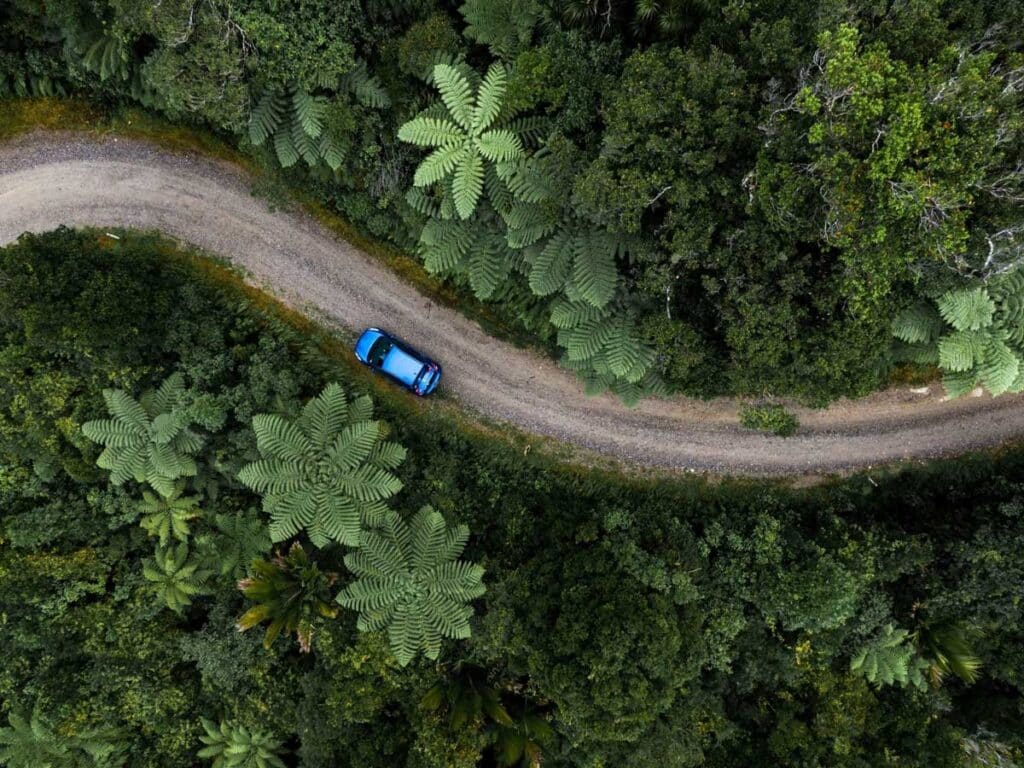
x: 890, y: 659
x: 229, y: 745
x: 976, y: 335
x: 167, y: 516
x: 327, y: 472
x: 465, y: 137
x: 290, y: 591
x: 146, y: 439
x: 174, y: 576
x: 411, y: 583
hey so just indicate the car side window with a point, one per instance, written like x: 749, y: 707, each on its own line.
x: 379, y: 351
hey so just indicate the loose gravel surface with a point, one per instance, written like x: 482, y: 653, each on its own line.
x: 50, y: 179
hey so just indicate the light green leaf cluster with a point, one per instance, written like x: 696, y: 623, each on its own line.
x: 229, y: 745
x: 891, y: 659
x: 326, y: 473
x: 146, y: 440
x: 175, y: 577
x: 167, y: 516
x: 411, y: 583
x: 975, y: 335
x: 465, y: 137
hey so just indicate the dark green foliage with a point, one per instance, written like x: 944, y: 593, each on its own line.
x: 290, y: 591
x: 769, y: 418
x: 650, y: 622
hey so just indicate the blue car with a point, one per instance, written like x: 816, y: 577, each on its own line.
x: 389, y: 355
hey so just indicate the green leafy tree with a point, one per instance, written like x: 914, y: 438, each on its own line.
x: 230, y: 745
x: 914, y: 164
x: 290, y: 591
x: 326, y: 472
x: 467, y: 134
x: 167, y: 516
x: 146, y: 439
x: 974, y: 334
x: 175, y: 577
x: 891, y: 659
x: 411, y: 583
x: 34, y: 744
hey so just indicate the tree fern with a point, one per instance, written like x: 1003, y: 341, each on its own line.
x: 35, y: 744
x: 327, y: 472
x: 175, y: 577
x: 890, y: 659
x: 919, y: 324
x: 465, y: 138
x: 167, y: 516
x: 410, y: 582
x: 367, y: 88
x: 948, y: 649
x: 147, y: 440
x: 975, y: 335
x: 100, y: 52
x: 967, y: 310
x: 230, y: 745
x: 290, y: 592
x: 293, y: 122
x: 504, y: 26
x: 476, y: 248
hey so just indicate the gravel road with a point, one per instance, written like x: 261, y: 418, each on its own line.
x: 49, y: 179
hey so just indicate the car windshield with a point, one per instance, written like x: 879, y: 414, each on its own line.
x: 379, y: 351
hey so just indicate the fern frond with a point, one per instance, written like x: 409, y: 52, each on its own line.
x: 456, y: 94
x: 967, y: 310
x: 467, y: 183
x: 594, y: 272
x: 266, y: 117
x: 431, y: 132
x: 489, y: 99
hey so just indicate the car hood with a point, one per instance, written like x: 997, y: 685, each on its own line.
x: 365, y: 342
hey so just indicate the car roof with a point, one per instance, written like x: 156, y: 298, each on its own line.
x: 402, y: 365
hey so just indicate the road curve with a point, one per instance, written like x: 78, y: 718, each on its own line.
x: 48, y: 179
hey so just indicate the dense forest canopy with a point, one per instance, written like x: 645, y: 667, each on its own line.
x: 222, y: 544
x: 456, y: 600
x: 699, y: 195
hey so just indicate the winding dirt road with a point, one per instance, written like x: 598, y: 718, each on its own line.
x: 49, y: 179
